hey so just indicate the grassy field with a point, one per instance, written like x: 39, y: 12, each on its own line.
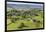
x: 18, y: 20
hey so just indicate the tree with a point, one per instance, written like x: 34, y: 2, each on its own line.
x: 22, y: 25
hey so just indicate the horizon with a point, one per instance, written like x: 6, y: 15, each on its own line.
x: 19, y: 5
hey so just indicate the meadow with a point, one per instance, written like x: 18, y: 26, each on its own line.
x: 24, y: 19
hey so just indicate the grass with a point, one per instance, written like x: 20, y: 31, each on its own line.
x: 30, y: 24
x: 24, y: 20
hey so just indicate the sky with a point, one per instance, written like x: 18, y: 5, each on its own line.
x: 24, y: 3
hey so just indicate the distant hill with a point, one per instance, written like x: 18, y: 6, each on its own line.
x: 24, y: 6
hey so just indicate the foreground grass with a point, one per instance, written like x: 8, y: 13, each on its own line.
x: 30, y: 24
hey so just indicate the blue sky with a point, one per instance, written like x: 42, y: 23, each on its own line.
x: 24, y: 3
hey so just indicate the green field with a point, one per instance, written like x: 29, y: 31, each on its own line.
x: 30, y: 19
